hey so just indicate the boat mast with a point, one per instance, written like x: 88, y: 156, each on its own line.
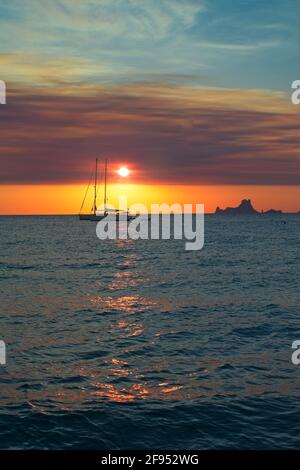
x: 95, y: 187
x: 105, y: 181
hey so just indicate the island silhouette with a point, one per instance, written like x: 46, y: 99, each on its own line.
x: 245, y: 207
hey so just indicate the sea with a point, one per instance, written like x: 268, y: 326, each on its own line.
x: 140, y: 344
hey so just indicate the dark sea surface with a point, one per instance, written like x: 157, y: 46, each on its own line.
x: 143, y: 345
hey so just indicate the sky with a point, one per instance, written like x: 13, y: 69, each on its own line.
x: 193, y: 96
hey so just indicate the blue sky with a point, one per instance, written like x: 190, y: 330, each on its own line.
x: 185, y: 91
x: 221, y: 43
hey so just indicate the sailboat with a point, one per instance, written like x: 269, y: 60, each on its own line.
x: 95, y: 215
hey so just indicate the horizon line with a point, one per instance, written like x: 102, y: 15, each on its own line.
x: 149, y: 213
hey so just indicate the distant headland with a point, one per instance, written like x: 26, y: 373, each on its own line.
x: 245, y: 207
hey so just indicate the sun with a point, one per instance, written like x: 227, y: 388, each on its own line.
x: 123, y: 171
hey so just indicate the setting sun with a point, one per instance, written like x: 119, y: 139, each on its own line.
x: 123, y: 171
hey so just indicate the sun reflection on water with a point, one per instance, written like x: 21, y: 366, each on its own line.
x: 125, y: 303
x: 134, y: 392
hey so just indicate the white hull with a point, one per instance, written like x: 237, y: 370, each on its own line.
x: 97, y: 218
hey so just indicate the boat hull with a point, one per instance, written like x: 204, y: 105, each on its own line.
x: 97, y: 218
